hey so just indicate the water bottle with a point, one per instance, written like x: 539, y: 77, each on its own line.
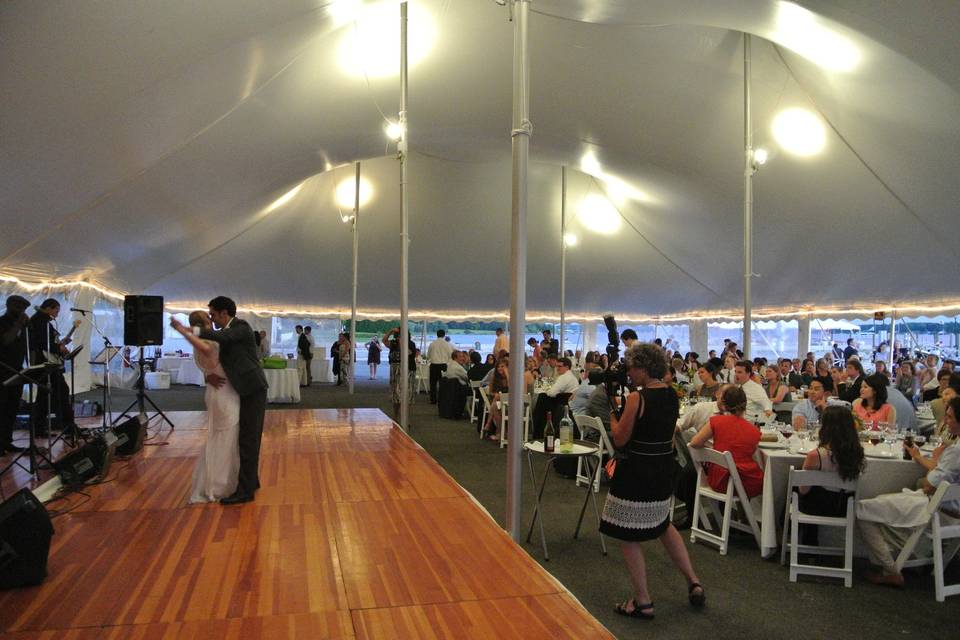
x: 566, y: 432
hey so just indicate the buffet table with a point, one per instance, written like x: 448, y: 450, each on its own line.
x: 283, y: 385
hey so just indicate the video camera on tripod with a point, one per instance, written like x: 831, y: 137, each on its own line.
x: 614, y: 376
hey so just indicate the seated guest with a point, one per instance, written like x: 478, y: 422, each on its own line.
x: 498, y: 386
x: 906, y: 378
x: 698, y: 414
x: 840, y: 451
x: 808, y: 373
x: 906, y: 413
x: 879, y: 530
x: 551, y: 400
x: 812, y: 408
x: 872, y: 406
x: 777, y: 390
x: 478, y: 370
x: 670, y: 379
x: 855, y: 376
x: 943, y: 381
x: 939, y: 406
x: 679, y: 375
x: 456, y: 369
x: 927, y: 371
x: 880, y: 366
x: 548, y: 369
x: 598, y: 406
x: 823, y: 375
x: 708, y: 381
x: 757, y: 401
x: 730, y: 432
x: 581, y: 397
x: 530, y: 374
x: 839, y: 378
x: 788, y: 376
x: 725, y: 375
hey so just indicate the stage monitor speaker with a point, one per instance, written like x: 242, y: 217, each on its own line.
x: 88, y: 463
x: 142, y: 320
x: 25, y: 532
x: 130, y: 436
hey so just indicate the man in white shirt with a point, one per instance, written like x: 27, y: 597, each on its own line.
x: 697, y: 415
x: 456, y: 368
x: 264, y: 344
x: 438, y: 355
x: 554, y: 398
x: 757, y: 400
x: 502, y: 343
x: 566, y: 382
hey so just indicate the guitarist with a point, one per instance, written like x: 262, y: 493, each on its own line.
x: 45, y: 342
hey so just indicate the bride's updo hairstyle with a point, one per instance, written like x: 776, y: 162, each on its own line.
x: 198, y: 319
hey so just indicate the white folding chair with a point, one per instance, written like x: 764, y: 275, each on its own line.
x: 474, y: 398
x: 485, y: 398
x: 504, y: 411
x: 586, y: 424
x: 937, y: 533
x: 734, y: 495
x: 423, y: 378
x: 793, y: 518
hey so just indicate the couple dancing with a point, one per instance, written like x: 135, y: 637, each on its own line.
x: 236, y: 399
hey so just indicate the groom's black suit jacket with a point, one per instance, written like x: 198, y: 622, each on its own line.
x: 238, y: 355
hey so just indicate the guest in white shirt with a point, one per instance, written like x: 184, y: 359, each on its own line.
x: 456, y: 367
x: 438, y: 355
x: 264, y: 344
x: 697, y: 415
x: 725, y: 375
x: 757, y: 400
x: 552, y: 400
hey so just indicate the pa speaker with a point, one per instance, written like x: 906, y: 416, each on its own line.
x: 142, y: 320
x: 25, y: 532
x: 130, y: 436
x: 87, y: 463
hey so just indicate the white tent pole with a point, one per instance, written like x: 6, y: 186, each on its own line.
x: 353, y: 305
x: 563, y: 255
x: 891, y: 354
x: 748, y: 171
x: 520, y: 137
x: 404, y: 239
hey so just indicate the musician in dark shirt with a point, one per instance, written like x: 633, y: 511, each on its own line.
x: 45, y: 346
x: 13, y: 351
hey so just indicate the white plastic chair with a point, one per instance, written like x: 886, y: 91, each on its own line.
x: 485, y: 398
x: 734, y: 495
x: 505, y: 410
x: 793, y: 518
x: 586, y: 424
x: 938, y: 534
x: 423, y: 378
x: 474, y: 385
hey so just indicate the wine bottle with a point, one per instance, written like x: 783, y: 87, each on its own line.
x: 566, y: 432
x: 549, y: 435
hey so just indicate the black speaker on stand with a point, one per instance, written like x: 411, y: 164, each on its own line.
x: 143, y: 326
x: 25, y: 532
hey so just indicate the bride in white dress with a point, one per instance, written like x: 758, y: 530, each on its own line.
x: 215, y: 475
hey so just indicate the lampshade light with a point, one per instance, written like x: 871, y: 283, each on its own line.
x: 760, y: 156
x: 370, y: 45
x: 799, y: 132
x: 394, y: 131
x: 346, y: 192
x: 570, y: 239
x: 599, y: 215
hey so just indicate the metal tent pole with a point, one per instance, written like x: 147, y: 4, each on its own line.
x: 404, y: 232
x: 891, y: 354
x: 520, y: 136
x: 748, y: 171
x: 353, y: 305
x: 563, y: 255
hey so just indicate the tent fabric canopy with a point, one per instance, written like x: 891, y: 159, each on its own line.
x: 187, y: 151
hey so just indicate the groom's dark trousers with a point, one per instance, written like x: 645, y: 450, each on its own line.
x: 238, y: 355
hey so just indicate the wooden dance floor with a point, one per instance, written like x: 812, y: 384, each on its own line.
x: 355, y: 533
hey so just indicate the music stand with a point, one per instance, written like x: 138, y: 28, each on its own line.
x: 32, y: 376
x: 103, y: 358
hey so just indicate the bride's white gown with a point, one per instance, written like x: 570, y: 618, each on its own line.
x: 215, y: 475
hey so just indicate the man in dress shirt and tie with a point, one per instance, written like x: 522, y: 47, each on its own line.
x: 788, y: 376
x: 757, y: 401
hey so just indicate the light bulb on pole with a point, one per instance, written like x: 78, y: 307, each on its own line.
x: 394, y: 131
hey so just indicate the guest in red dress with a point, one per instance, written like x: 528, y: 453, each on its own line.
x: 730, y: 432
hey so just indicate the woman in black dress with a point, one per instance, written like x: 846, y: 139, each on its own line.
x: 373, y: 356
x: 638, y: 505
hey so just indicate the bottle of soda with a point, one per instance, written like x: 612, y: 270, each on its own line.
x: 549, y: 435
x: 566, y: 432
x: 908, y: 441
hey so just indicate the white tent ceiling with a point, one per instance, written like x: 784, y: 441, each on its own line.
x: 143, y: 143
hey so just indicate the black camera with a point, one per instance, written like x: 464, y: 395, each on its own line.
x: 614, y: 374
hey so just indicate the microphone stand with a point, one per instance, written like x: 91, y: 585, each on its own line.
x: 107, y: 357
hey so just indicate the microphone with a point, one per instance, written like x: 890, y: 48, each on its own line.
x: 80, y: 310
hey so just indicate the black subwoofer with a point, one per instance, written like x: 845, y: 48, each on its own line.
x: 25, y: 532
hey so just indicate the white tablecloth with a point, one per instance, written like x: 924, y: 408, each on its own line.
x: 171, y: 363
x: 319, y: 367
x: 182, y: 370
x: 879, y: 476
x: 283, y: 385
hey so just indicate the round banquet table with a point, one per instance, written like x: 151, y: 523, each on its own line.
x: 283, y: 385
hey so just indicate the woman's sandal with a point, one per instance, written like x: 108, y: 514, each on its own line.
x: 696, y: 599
x: 637, y: 611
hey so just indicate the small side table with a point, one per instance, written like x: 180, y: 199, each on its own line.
x: 581, y: 449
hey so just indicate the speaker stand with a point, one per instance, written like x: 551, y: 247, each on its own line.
x: 142, y: 398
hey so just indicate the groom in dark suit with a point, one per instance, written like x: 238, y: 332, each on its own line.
x: 238, y: 355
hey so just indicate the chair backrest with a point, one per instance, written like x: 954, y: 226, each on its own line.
x: 826, y: 479
x: 945, y: 492
x: 702, y: 455
x: 476, y: 384
x: 586, y: 423
x: 485, y: 397
x: 681, y: 447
